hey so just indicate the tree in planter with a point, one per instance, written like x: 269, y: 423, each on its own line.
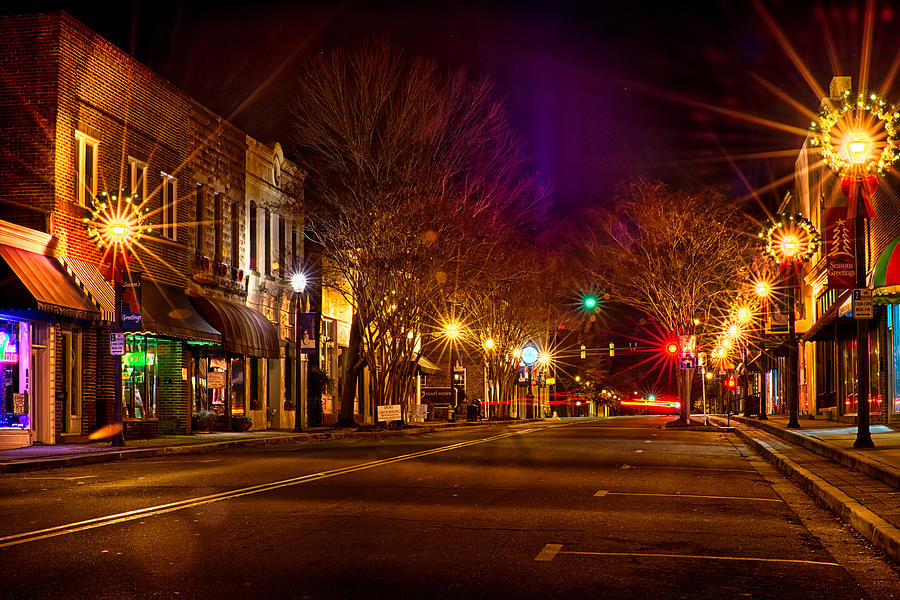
x: 675, y: 256
x: 408, y: 170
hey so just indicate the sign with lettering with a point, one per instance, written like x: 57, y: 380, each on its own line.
x: 840, y: 249
x: 862, y: 304
x: 421, y: 411
x: 443, y: 395
x: 389, y: 412
x: 132, y: 298
x: 215, y: 380
x: 117, y: 344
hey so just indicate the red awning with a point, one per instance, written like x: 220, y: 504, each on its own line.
x: 40, y: 284
x: 246, y: 331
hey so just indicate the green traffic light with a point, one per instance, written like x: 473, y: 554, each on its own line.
x: 590, y: 302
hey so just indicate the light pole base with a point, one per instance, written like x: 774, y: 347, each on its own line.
x: 864, y: 441
x: 793, y: 424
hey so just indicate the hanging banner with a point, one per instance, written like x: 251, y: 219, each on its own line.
x: 840, y: 249
x: 308, y: 332
x: 131, y: 302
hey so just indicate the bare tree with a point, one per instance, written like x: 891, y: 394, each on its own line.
x: 411, y: 175
x: 676, y: 256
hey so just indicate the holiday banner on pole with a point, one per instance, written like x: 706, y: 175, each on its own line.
x: 132, y: 299
x: 839, y: 249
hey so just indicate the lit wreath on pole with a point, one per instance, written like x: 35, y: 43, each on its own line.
x: 115, y: 224
x: 791, y: 239
x: 832, y: 124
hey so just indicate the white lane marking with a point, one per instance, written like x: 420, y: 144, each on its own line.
x: 626, y: 466
x: 140, y: 513
x: 701, y: 557
x: 638, y: 451
x: 549, y: 551
x: 602, y: 493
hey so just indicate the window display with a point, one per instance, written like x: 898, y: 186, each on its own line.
x: 14, y: 375
x: 139, y: 377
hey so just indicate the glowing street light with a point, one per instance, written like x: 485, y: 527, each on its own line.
x: 762, y: 289
x: 858, y: 147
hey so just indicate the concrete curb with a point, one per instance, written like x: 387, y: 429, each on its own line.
x: 874, y: 528
x: 854, y: 459
x: 102, y: 456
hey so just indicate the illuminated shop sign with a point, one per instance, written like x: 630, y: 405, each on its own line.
x: 9, y: 352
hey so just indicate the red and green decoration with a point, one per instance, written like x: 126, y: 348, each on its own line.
x: 886, y: 276
x: 835, y: 123
x: 116, y: 225
x: 790, y: 239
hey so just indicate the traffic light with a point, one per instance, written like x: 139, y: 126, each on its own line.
x: 589, y: 302
x: 583, y: 351
x: 730, y: 383
x: 671, y: 348
x: 612, y: 349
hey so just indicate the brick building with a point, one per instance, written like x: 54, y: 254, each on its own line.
x: 80, y: 117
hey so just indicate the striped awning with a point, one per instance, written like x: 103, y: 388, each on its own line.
x: 886, y: 277
x: 427, y: 367
x: 246, y: 331
x: 38, y: 283
x: 93, y: 282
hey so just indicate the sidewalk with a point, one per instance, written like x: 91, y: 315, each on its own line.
x: 860, y: 486
x: 42, y: 457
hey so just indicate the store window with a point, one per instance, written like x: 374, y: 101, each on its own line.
x: 209, y: 384
x: 85, y: 168
x: 15, y: 354
x: 139, y: 377
x: 237, y: 386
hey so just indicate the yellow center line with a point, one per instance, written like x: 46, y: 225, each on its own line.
x: 703, y: 557
x: 601, y: 493
x: 140, y: 513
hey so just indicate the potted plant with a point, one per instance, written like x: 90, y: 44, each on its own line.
x: 240, y: 422
x: 203, y: 421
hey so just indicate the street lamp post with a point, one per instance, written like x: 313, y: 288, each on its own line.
x: 298, y: 283
x: 791, y: 240
x: 763, y: 289
x: 115, y: 225
x: 857, y: 148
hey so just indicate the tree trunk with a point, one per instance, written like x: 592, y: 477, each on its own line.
x: 351, y: 374
x: 685, y: 378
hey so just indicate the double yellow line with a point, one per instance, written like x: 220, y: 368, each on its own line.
x: 161, y: 509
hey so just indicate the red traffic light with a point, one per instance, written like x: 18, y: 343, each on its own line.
x: 731, y: 383
x: 672, y: 348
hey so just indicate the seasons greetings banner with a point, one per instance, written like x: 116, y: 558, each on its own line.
x: 840, y: 249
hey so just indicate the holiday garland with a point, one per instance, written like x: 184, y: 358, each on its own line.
x: 869, y: 102
x: 805, y: 235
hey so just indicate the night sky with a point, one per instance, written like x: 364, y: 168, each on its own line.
x: 600, y: 94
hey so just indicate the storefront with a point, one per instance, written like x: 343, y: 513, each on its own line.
x: 249, y: 360
x: 43, y: 320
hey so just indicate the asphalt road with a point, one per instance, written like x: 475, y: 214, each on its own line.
x: 612, y: 508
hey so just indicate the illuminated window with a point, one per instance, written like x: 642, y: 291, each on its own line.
x: 254, y: 235
x: 169, y: 203
x: 281, y: 246
x: 235, y: 234
x: 219, y: 225
x: 267, y: 257
x: 199, y: 216
x: 85, y: 168
x: 137, y: 179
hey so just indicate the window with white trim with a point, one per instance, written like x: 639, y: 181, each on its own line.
x: 169, y: 205
x: 137, y: 179
x: 85, y: 168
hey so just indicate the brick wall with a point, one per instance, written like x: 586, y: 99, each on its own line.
x: 28, y: 101
x: 171, y: 407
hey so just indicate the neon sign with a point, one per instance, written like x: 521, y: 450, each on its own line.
x: 8, y: 352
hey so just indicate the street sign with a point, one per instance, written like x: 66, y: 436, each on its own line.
x: 688, y: 357
x: 117, y: 344
x: 862, y: 303
x: 389, y: 412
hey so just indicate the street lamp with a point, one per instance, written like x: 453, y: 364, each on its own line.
x: 452, y: 330
x: 298, y: 283
x: 790, y: 241
x: 763, y: 289
x: 115, y: 224
x: 858, y: 167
